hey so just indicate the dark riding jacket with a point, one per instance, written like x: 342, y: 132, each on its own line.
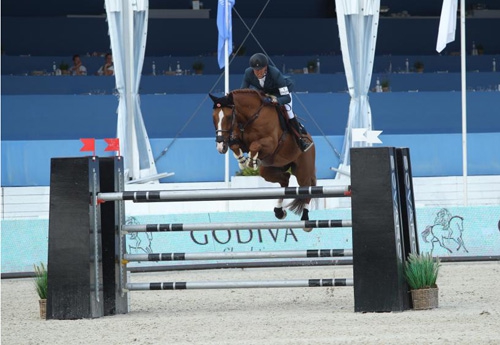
x: 275, y: 84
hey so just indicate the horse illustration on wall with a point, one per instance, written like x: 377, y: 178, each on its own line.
x: 446, y: 230
x: 139, y: 242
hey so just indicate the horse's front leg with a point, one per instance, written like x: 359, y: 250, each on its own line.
x: 253, y: 155
x: 253, y: 160
x: 240, y: 157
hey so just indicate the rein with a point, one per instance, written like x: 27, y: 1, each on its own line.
x: 249, y: 121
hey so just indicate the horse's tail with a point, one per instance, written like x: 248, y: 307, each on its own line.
x: 297, y: 206
x: 426, y: 233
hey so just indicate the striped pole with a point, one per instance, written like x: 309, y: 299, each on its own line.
x: 229, y: 194
x: 333, y: 223
x: 285, y: 254
x: 240, y: 284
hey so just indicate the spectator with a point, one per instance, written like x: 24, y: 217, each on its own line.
x: 107, y: 68
x: 77, y: 68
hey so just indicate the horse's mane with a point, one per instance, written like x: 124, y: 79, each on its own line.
x: 250, y: 92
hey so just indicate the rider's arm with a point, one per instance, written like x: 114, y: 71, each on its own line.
x: 245, y: 84
x: 283, y: 93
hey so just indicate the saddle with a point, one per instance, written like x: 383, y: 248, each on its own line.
x: 284, y: 121
x: 282, y: 117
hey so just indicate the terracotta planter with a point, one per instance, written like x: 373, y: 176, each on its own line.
x: 425, y: 298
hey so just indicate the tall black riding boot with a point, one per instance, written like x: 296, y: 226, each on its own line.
x: 299, y: 131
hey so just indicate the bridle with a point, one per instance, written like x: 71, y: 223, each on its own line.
x: 219, y: 133
x: 231, y: 138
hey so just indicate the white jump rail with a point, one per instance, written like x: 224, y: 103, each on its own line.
x: 228, y: 194
x: 204, y: 285
x: 283, y: 254
x: 331, y: 223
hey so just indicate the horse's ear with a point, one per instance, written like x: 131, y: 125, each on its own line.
x: 214, y: 99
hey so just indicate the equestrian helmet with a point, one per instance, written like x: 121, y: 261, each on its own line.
x: 258, y: 61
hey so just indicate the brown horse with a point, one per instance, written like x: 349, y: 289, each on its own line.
x: 246, y: 125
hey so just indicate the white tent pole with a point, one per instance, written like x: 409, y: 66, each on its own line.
x: 464, y: 100
x: 128, y: 58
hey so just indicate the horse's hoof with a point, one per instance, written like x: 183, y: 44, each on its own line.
x: 307, y: 229
x: 279, y: 213
x: 284, y: 214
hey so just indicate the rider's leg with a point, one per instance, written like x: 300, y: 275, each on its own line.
x: 299, y: 130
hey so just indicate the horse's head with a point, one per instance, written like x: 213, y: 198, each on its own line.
x: 223, y: 121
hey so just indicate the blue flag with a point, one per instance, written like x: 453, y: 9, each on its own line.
x: 224, y: 24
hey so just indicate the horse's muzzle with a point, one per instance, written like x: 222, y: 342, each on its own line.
x: 222, y: 146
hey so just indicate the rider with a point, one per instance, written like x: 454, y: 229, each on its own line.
x: 269, y: 79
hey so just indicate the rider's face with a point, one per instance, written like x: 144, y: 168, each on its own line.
x: 260, y: 73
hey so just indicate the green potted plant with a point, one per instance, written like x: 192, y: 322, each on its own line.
x: 64, y: 67
x: 419, y: 66
x: 198, y: 67
x: 311, y: 66
x: 248, y: 172
x: 480, y: 49
x: 385, y: 85
x: 421, y: 273
x: 41, y: 283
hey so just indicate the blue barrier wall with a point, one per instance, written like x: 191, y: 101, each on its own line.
x: 428, y: 123
x: 311, y: 83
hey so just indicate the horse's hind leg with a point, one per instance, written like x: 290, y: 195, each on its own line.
x: 306, y: 176
x: 279, y: 212
x: 279, y: 175
x: 441, y: 243
x: 461, y: 244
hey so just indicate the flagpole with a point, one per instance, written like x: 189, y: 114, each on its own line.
x: 464, y: 100
x: 226, y: 89
x: 226, y: 81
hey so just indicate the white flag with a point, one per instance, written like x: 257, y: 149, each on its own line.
x: 447, y: 24
x: 365, y: 135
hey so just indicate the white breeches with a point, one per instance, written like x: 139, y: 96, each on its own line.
x: 289, y: 108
